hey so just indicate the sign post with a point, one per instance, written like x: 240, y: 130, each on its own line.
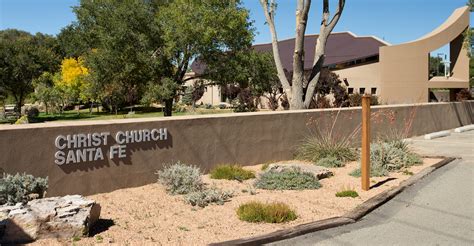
x: 365, y: 158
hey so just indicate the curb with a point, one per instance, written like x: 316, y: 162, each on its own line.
x: 290, y: 232
x: 348, y: 218
x: 437, y: 135
x: 464, y: 128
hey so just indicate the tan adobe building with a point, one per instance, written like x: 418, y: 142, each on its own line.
x: 404, y: 76
x: 395, y: 73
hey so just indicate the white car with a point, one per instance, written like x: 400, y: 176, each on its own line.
x: 224, y: 105
x: 9, y: 110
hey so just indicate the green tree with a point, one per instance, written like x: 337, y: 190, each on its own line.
x: 46, y: 92
x: 247, y: 75
x: 157, y: 92
x: 144, y: 44
x: 201, y: 30
x: 3, y: 98
x: 193, y: 93
x: 436, y: 67
x: 123, y: 57
x: 74, y: 41
x: 24, y: 57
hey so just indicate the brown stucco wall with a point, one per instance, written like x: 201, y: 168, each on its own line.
x: 206, y: 140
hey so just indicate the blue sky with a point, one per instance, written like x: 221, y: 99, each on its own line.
x: 396, y: 21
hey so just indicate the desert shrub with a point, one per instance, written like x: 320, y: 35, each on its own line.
x: 287, y: 179
x: 22, y: 120
x: 394, y: 137
x: 265, y: 166
x: 180, y: 178
x: 180, y: 107
x: 21, y: 188
x: 270, y: 213
x: 32, y: 112
x: 355, y: 100
x: 406, y: 172
x: 464, y: 94
x: 231, y: 172
x: 320, y: 146
x: 246, y: 101
x: 330, y: 162
x: 205, y: 197
x: 323, y: 102
x: 285, y: 103
x: 375, y: 171
x: 208, y: 106
x: 389, y: 156
x: 374, y: 100
x: 347, y: 193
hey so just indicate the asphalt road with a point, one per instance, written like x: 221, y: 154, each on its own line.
x: 438, y: 210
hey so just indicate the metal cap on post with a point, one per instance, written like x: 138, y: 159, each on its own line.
x: 365, y: 155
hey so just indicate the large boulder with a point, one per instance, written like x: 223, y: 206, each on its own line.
x: 319, y: 172
x: 54, y: 217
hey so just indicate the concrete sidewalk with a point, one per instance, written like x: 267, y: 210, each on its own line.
x: 438, y: 210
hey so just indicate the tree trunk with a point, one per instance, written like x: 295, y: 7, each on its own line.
x: 298, y: 55
x: 168, y: 110
x: 296, y: 99
x: 18, y: 107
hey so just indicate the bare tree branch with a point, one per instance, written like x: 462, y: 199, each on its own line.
x: 337, y: 15
x: 269, y: 10
x: 319, y: 53
x: 302, y: 10
x: 194, y: 77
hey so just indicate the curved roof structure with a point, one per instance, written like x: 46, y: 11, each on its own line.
x: 404, y: 67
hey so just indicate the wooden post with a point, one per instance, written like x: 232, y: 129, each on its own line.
x: 365, y: 158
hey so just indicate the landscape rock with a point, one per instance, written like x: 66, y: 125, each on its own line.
x: 54, y: 217
x: 318, y: 171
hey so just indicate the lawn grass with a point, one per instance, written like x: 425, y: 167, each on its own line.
x: 84, y: 114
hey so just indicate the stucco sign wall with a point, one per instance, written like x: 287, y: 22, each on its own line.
x: 100, y: 156
x: 87, y: 147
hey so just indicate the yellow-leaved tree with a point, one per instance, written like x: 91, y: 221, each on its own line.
x: 73, y: 83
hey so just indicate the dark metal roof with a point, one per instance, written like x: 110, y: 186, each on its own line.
x: 341, y: 48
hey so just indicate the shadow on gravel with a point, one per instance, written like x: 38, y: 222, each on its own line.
x: 100, y: 226
x: 382, y: 182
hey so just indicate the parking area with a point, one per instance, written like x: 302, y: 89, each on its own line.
x: 438, y: 210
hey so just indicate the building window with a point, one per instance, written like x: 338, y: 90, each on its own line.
x: 362, y: 91
x: 350, y: 90
x: 373, y: 91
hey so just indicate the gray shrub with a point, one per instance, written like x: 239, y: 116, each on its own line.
x: 389, y: 156
x: 205, y: 197
x: 287, y: 179
x: 21, y: 188
x: 180, y: 178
